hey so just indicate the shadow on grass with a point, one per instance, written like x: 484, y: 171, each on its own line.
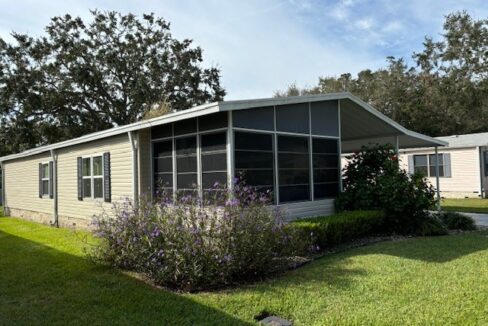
x: 41, y: 285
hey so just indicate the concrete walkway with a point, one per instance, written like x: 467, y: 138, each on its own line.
x: 480, y: 218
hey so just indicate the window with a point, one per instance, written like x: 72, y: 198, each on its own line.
x: 258, y: 118
x: 425, y: 164
x: 485, y: 156
x: 92, y: 175
x: 325, y: 168
x: 186, y: 164
x: 163, y: 165
x: 45, y: 179
x: 254, y: 160
x: 293, y: 168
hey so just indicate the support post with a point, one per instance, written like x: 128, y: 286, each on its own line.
x: 437, y: 180
x: 397, y: 145
x: 135, y: 167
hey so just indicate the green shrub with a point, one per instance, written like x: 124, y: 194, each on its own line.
x: 190, y: 245
x: 456, y: 221
x: 373, y: 180
x: 431, y: 225
x: 339, y: 228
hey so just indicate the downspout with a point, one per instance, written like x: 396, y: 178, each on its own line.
x: 437, y: 180
x: 3, y: 189
x: 135, y: 168
x: 55, y: 188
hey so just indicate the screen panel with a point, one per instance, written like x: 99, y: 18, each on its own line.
x: 293, y: 168
x: 254, y: 161
x: 293, y: 118
x: 325, y: 167
x: 325, y: 118
x: 186, y: 164
x: 258, y: 118
x: 163, y: 165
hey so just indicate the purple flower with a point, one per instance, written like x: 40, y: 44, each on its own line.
x: 232, y: 202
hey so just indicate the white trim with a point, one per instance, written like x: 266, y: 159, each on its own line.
x: 45, y: 179
x: 310, y: 153
x: 92, y: 177
x: 199, y: 162
x: 219, y: 107
x: 230, y: 152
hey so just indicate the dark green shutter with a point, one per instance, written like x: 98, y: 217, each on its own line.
x: 40, y: 180
x: 107, y: 191
x: 51, y: 185
x: 80, y: 178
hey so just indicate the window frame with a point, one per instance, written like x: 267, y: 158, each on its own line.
x: 44, y: 179
x: 429, y: 165
x: 92, y: 177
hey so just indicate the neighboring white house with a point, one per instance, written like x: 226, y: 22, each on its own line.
x: 463, y: 165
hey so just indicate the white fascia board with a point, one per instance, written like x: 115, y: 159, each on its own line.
x: 172, y: 117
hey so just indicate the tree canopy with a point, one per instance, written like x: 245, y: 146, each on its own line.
x: 446, y: 90
x: 82, y: 77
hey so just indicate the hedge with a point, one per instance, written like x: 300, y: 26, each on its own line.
x: 339, y: 228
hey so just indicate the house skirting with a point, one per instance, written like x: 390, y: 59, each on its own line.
x: 45, y: 218
x: 460, y: 194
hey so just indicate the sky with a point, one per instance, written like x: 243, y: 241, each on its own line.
x: 262, y: 46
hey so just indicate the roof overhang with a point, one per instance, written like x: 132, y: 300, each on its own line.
x: 361, y: 124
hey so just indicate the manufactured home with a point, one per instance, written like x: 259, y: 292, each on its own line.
x: 463, y: 165
x: 290, y: 146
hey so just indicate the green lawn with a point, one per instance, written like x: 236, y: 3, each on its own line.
x: 44, y: 279
x: 470, y: 205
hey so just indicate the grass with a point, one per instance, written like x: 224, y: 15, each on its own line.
x: 45, y: 279
x: 469, y: 205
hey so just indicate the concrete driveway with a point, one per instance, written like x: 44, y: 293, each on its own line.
x: 480, y: 219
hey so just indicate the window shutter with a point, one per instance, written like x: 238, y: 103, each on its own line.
x: 40, y: 180
x: 107, y: 191
x: 447, y: 165
x: 80, y: 178
x: 51, y: 185
x: 411, y: 167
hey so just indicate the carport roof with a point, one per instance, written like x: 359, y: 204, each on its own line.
x: 361, y: 124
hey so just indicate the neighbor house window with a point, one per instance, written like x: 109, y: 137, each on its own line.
x: 92, y: 177
x: 485, y: 154
x: 425, y: 164
x: 45, y: 179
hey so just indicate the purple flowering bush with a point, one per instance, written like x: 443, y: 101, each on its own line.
x: 190, y: 244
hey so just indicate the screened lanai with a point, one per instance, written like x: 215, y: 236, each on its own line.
x: 290, y: 147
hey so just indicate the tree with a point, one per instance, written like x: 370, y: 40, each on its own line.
x: 85, y: 77
x: 446, y: 92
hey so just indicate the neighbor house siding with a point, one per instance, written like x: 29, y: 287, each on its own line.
x: 22, y: 188
x: 69, y: 207
x: 465, y: 171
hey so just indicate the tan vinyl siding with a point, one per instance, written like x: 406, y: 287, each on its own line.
x: 121, y: 176
x: 22, y: 184
x: 145, y: 164
x: 465, y: 170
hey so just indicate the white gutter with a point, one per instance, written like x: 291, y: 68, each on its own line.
x: 55, y: 188
x: 219, y: 107
x: 135, y: 167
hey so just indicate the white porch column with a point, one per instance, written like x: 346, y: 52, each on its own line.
x: 437, y: 180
